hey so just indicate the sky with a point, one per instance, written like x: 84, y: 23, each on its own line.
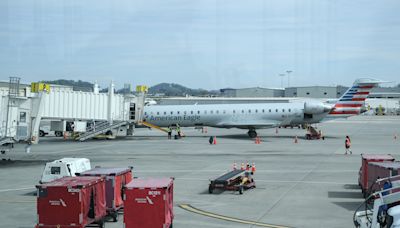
x: 208, y: 44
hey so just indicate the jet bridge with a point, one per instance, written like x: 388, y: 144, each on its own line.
x: 27, y: 106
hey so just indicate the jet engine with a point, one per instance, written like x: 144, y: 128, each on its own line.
x: 316, y: 107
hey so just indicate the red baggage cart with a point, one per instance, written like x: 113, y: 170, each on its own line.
x: 149, y: 203
x: 116, y: 179
x: 71, y: 202
x: 363, y: 173
x: 379, y: 170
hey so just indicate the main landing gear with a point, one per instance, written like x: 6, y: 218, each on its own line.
x: 252, y: 133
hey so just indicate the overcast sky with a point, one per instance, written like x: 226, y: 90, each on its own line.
x: 201, y: 43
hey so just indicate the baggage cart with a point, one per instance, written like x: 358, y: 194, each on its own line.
x: 116, y: 179
x: 149, y: 203
x: 71, y: 202
x: 363, y: 173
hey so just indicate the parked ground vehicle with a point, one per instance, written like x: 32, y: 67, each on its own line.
x: 64, y: 167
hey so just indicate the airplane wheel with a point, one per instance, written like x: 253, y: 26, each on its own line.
x: 252, y: 134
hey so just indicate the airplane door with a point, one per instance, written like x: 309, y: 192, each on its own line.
x: 22, y: 124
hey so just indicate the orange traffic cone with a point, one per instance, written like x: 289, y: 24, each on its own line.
x: 257, y: 141
x: 65, y: 135
x: 242, y: 166
x: 295, y: 139
x: 234, y: 166
x: 253, y: 168
x: 215, y: 140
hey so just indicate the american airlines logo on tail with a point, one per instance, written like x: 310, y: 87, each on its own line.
x: 353, y: 100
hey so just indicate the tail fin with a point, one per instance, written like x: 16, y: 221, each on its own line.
x: 353, y: 100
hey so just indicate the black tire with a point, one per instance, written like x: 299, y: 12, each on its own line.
x: 58, y: 133
x: 41, y: 133
x: 210, y: 189
x: 170, y: 226
x: 115, y: 216
x: 252, y: 134
x: 109, y: 133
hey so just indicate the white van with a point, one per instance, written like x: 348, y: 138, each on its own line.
x: 64, y: 167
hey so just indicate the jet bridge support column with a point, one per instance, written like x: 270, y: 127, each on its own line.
x: 37, y: 111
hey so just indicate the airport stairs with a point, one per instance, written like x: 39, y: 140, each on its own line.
x: 100, y: 128
x: 147, y: 124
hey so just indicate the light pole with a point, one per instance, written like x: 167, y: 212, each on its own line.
x: 288, y: 77
x: 282, y: 75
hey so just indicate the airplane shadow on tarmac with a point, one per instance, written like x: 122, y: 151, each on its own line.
x: 351, y: 206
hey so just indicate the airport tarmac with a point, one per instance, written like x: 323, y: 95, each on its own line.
x: 308, y: 184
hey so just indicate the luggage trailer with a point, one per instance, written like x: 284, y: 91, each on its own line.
x: 385, y: 208
x: 235, y: 180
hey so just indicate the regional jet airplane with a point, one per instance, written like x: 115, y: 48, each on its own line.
x: 254, y: 116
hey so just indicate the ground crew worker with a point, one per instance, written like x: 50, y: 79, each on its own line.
x: 178, y: 130
x: 169, y: 132
x: 347, y: 145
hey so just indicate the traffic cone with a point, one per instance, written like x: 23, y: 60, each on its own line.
x: 215, y: 140
x: 257, y: 141
x: 65, y: 135
x: 247, y: 166
x: 253, y: 168
x: 295, y: 139
x: 242, y: 166
x: 234, y: 166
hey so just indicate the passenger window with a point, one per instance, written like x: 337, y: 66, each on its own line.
x: 217, y: 112
x: 289, y: 110
x: 256, y: 110
x: 165, y: 113
x: 233, y: 111
x: 55, y: 170
x: 276, y: 110
x: 184, y: 112
x: 198, y: 112
x: 270, y: 110
x: 178, y: 112
x: 172, y: 113
x: 249, y: 111
x: 205, y: 111
x: 224, y: 111
x: 283, y: 110
x: 242, y: 111
x: 263, y: 110
x: 191, y: 112
x: 158, y: 113
x: 211, y: 112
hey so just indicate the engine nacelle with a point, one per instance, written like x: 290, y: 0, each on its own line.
x: 316, y: 108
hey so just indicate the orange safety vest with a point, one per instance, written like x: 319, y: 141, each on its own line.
x: 348, y: 143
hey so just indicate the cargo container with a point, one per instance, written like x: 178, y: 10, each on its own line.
x: 149, y: 203
x: 116, y: 179
x: 71, y: 202
x: 363, y: 173
x: 379, y: 170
